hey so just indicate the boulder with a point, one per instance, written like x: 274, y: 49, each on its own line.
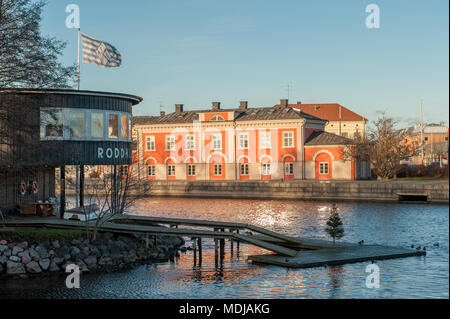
x: 44, y: 263
x: 14, y: 268
x: 7, y: 252
x: 56, y: 244
x: 3, y: 260
x: 16, y: 250
x: 105, y: 261
x: 58, y: 260
x: 26, y: 257
x: 23, y: 245
x: 42, y: 251
x: 53, y: 267
x: 62, y: 251
x: 3, y: 248
x: 15, y: 259
x: 33, y: 254
x: 91, y: 261
x: 3, y: 242
x: 33, y: 267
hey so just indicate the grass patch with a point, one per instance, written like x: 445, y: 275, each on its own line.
x: 44, y: 234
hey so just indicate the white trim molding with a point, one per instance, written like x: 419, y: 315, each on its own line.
x: 323, y: 151
x: 150, y: 158
x: 288, y: 155
x: 208, y: 160
x: 172, y: 158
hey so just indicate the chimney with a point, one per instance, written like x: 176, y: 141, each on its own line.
x: 216, y: 105
x: 163, y: 113
x: 243, y: 105
x: 284, y: 103
x: 178, y: 108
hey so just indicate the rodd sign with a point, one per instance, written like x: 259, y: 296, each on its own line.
x: 112, y: 153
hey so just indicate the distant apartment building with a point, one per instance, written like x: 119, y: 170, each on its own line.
x: 341, y: 120
x: 242, y: 143
x: 432, y: 141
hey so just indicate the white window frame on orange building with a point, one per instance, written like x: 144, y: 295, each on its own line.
x: 191, y: 169
x: 265, y: 142
x: 170, y: 141
x: 217, y: 168
x: 170, y: 170
x: 190, y: 142
x: 151, y: 170
x: 266, y: 169
x: 289, y: 168
x: 243, y: 169
x: 288, y: 138
x: 216, y: 141
x: 243, y: 142
x: 322, y: 170
x: 150, y: 141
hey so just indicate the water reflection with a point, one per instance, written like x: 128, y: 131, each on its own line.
x: 233, y: 277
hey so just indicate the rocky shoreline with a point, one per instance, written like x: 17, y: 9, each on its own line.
x: 110, y: 252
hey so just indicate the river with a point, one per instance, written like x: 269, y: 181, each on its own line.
x: 377, y: 223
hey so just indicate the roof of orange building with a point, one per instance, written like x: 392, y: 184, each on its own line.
x: 326, y: 138
x: 328, y: 111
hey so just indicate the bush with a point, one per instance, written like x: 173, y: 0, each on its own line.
x: 423, y: 171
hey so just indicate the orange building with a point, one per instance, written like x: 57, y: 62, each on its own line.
x: 340, y: 120
x: 240, y: 144
x: 432, y: 142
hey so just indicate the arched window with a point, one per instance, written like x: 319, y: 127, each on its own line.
x: 217, y: 118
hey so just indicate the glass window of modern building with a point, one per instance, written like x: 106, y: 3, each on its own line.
x: 77, y: 124
x: 113, y: 131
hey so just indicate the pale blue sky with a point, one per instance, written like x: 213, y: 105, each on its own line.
x: 199, y: 51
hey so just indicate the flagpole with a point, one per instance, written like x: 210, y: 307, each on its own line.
x: 78, y: 58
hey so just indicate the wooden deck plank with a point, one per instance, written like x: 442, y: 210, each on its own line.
x: 336, y: 256
x: 180, y: 221
x: 265, y: 245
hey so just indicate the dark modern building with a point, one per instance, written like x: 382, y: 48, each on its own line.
x: 41, y: 129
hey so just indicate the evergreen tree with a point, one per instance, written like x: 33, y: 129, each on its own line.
x: 334, y: 225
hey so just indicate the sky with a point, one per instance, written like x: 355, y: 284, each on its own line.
x: 194, y: 52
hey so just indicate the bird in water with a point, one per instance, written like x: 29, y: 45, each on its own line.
x: 436, y: 244
x: 424, y: 248
x: 361, y: 242
x: 412, y: 246
x: 418, y: 248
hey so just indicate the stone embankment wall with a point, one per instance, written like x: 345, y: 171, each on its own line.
x: 109, y: 252
x: 437, y: 192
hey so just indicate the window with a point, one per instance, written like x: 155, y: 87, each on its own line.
x: 113, y: 130
x: 243, y: 141
x: 124, y: 126
x: 191, y: 170
x: 171, y: 170
x: 97, y: 125
x: 217, y: 118
x: 123, y: 170
x: 344, y: 134
x: 150, y: 143
x: 265, y: 169
x: 264, y: 139
x: 216, y: 140
x: 244, y: 169
x: 323, y: 168
x: 217, y: 169
x: 170, y: 143
x: 446, y: 138
x: 77, y: 124
x: 190, y: 142
x: 425, y: 139
x: 289, y: 168
x: 52, y: 123
x: 151, y: 170
x: 288, y: 139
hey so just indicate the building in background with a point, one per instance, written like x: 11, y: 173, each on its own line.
x: 243, y: 143
x: 432, y: 142
x: 341, y: 121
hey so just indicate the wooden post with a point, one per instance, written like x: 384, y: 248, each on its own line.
x: 199, y: 240
x: 114, y: 191
x: 194, y: 246
x: 216, y: 250
x: 146, y: 240
x: 81, y: 185
x: 62, y: 191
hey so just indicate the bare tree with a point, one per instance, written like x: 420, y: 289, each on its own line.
x: 27, y: 58
x: 382, y: 147
x: 113, y: 196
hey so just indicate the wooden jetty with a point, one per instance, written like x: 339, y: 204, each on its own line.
x: 287, y: 251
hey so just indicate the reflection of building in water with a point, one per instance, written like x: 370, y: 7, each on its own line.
x: 242, y: 143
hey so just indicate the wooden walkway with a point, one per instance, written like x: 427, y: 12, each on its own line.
x: 289, y: 251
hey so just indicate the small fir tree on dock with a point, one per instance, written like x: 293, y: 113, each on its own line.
x: 334, y: 225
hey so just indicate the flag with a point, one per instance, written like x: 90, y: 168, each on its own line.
x: 100, y: 53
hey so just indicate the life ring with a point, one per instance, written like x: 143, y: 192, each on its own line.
x: 34, y: 187
x: 22, y: 188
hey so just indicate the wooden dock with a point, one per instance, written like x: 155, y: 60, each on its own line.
x: 336, y: 256
x: 289, y: 251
